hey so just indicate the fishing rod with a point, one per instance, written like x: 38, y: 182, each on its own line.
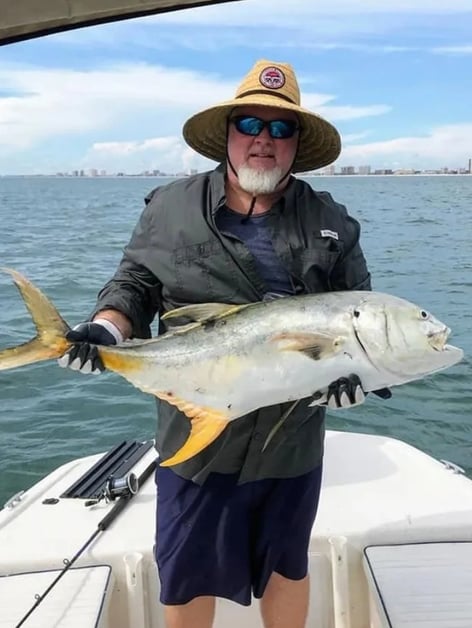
x: 123, y: 489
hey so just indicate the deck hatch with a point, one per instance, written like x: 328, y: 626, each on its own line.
x: 420, y: 584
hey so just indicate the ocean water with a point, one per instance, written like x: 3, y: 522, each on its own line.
x: 67, y: 235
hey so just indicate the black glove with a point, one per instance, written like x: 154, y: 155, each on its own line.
x: 346, y: 392
x: 84, y: 356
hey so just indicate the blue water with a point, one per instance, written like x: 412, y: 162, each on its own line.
x: 67, y: 235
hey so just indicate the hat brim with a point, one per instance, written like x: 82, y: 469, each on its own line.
x: 320, y: 143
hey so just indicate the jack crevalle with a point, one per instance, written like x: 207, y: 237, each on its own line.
x: 232, y: 359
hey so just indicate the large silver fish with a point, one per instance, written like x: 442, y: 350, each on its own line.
x: 233, y: 359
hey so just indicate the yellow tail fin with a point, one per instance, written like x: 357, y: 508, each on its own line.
x: 50, y: 341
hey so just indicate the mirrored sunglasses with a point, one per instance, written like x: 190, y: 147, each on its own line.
x: 278, y: 129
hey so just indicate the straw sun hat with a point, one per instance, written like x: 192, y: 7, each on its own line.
x: 274, y: 85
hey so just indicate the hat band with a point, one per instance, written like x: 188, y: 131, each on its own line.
x: 264, y: 92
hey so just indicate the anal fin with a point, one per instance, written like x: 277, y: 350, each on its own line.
x: 206, y: 425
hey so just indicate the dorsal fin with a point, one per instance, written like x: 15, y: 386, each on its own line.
x: 204, y: 312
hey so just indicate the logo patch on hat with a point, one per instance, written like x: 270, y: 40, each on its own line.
x: 272, y: 78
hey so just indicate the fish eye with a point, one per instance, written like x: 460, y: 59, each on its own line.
x: 356, y: 313
x: 424, y: 314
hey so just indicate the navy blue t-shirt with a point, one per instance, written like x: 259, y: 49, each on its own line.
x: 254, y: 233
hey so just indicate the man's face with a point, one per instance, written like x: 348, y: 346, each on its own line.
x: 261, y: 156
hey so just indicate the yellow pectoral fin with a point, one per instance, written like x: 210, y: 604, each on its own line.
x: 206, y: 427
x: 316, y: 346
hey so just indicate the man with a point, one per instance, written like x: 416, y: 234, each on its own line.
x: 235, y: 521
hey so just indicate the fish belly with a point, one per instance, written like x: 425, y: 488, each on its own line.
x: 236, y: 385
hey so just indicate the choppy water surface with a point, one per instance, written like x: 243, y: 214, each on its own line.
x: 68, y: 234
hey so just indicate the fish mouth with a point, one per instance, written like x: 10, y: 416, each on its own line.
x: 438, y: 339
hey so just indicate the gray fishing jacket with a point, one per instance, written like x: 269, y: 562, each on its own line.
x: 177, y: 256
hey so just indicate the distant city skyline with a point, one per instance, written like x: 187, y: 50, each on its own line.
x: 331, y: 170
x: 368, y: 170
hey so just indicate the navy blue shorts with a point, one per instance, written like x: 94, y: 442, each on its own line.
x: 225, y: 540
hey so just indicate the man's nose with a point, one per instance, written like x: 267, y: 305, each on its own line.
x: 264, y: 136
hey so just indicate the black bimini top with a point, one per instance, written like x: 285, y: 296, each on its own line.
x: 26, y: 19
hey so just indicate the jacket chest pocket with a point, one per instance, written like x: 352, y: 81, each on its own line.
x: 205, y: 272
x: 316, y: 265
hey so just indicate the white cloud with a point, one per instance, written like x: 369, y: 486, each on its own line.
x: 338, y: 113
x: 53, y: 102
x: 145, y: 101
x: 70, y: 102
x: 448, y: 145
x: 359, y: 25
x: 354, y: 47
x: 280, y: 12
x: 458, y: 50
x: 443, y: 146
x: 168, y: 154
x: 131, y: 148
x: 348, y: 138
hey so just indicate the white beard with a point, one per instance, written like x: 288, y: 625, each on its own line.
x: 259, y: 181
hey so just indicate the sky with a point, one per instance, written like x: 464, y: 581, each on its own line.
x: 395, y: 78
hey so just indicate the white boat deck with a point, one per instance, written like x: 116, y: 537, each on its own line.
x: 376, y: 491
x: 421, y: 585
x: 79, y: 600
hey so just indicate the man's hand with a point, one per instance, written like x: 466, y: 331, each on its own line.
x: 346, y: 392
x: 84, y: 356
